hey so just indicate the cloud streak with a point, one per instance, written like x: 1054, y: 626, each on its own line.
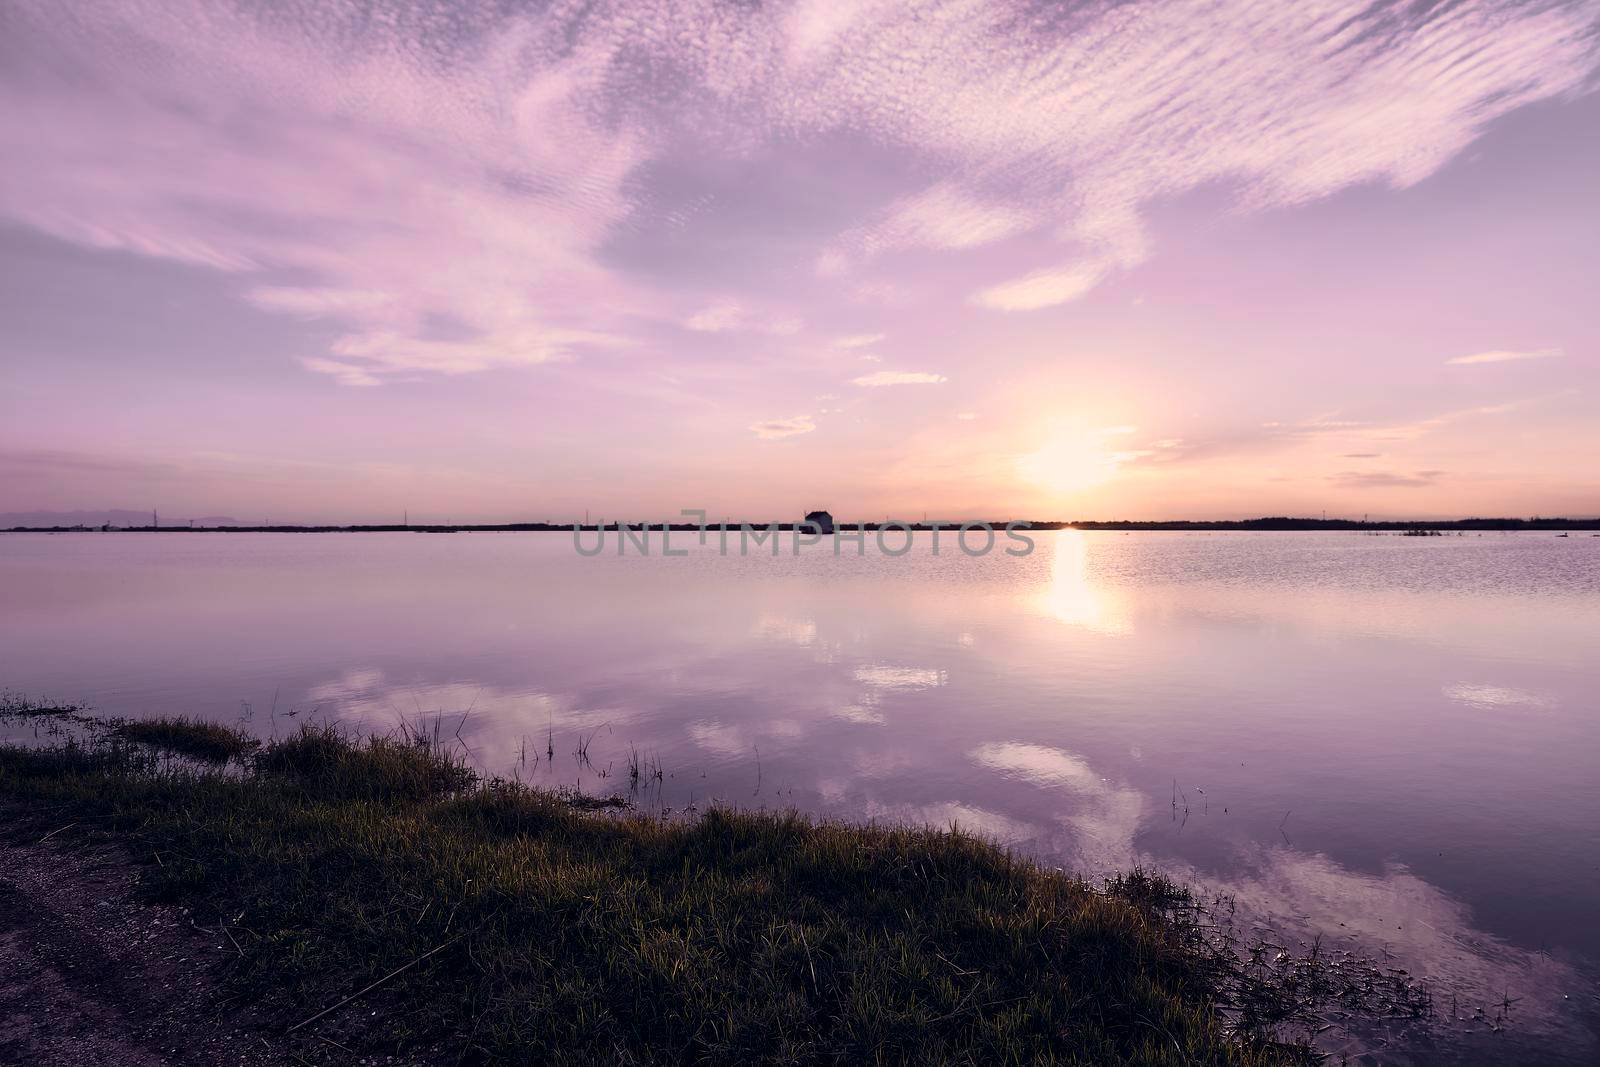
x: 884, y: 378
x: 1385, y: 479
x: 775, y: 429
x: 1042, y: 289
x: 1503, y: 356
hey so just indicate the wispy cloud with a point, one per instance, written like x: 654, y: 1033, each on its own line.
x: 716, y: 318
x: 315, y: 303
x: 343, y: 373
x: 410, y: 176
x: 1505, y: 356
x: 883, y: 378
x: 729, y: 315
x: 383, y: 173
x: 1120, y: 104
x: 942, y: 217
x: 773, y: 429
x: 1385, y: 479
x: 1041, y: 289
x: 1367, y: 438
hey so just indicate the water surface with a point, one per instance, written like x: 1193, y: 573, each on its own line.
x: 1388, y: 739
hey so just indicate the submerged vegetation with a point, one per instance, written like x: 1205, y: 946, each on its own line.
x: 195, y: 738
x: 384, y: 899
x: 16, y: 706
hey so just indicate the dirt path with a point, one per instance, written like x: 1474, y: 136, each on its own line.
x: 91, y: 975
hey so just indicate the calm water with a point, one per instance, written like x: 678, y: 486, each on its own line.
x: 1387, y: 739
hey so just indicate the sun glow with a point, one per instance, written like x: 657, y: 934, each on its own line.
x: 1074, y: 458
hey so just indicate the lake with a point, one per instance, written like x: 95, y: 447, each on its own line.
x: 1388, y: 740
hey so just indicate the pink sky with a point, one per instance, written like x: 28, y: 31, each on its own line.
x: 1086, y: 261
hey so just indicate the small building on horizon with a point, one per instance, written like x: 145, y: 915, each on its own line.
x: 820, y: 520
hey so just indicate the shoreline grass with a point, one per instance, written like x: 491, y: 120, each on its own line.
x: 384, y: 898
x: 16, y: 706
x: 195, y: 738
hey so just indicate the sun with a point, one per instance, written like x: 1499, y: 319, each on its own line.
x: 1073, y: 458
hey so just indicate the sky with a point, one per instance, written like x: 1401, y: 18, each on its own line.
x: 333, y: 261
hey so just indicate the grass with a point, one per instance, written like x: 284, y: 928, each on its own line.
x: 321, y: 763
x: 383, y: 898
x: 195, y: 738
x: 16, y: 706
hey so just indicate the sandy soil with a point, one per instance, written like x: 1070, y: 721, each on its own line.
x: 90, y: 974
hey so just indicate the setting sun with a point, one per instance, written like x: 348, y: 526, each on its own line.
x: 1074, y: 458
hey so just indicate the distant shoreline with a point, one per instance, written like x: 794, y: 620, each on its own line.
x: 1265, y: 524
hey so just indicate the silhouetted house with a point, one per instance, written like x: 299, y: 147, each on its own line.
x: 821, y: 521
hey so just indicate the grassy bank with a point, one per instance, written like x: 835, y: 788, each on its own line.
x: 485, y: 921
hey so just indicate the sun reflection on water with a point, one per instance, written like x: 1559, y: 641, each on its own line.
x: 1073, y: 597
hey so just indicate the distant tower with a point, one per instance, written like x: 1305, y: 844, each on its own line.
x: 155, y: 521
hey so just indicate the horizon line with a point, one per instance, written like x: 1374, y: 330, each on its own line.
x: 537, y: 525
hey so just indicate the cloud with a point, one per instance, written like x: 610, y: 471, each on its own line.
x: 883, y: 378
x: 947, y: 217
x: 1370, y: 437
x: 942, y: 217
x: 55, y: 462
x: 1041, y: 289
x: 716, y: 318
x: 773, y: 429
x: 1385, y: 479
x: 314, y: 303
x: 1503, y: 356
x: 966, y: 416
x: 343, y: 373
x: 883, y: 294
x: 398, y: 177
x: 730, y: 315
x: 859, y: 340
x: 385, y: 173
x: 1102, y: 108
